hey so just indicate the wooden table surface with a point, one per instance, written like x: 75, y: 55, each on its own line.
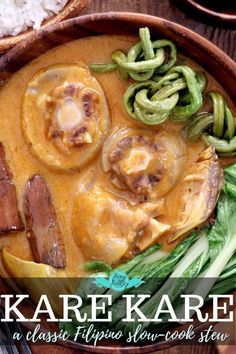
x: 222, y: 37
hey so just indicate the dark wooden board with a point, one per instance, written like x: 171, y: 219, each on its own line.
x: 168, y: 9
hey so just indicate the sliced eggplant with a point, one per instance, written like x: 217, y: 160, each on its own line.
x: 10, y: 220
x: 43, y: 229
x: 198, y: 193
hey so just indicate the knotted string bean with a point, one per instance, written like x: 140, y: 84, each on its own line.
x: 165, y: 90
x: 178, y: 95
x: 217, y: 128
x: 143, y: 60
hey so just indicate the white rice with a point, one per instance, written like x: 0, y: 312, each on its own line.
x: 17, y: 16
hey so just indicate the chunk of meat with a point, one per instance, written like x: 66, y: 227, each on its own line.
x: 136, y: 162
x: 198, y: 193
x: 64, y: 116
x: 10, y: 220
x: 72, y: 113
x: 107, y: 228
x: 149, y: 165
x: 43, y: 229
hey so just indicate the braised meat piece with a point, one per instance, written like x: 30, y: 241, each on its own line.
x: 147, y: 165
x: 136, y: 162
x: 10, y: 220
x: 43, y: 229
x: 72, y: 115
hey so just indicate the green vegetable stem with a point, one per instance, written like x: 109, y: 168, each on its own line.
x: 217, y: 128
x: 178, y: 95
x: 143, y: 60
x: 222, y: 247
x: 161, y: 89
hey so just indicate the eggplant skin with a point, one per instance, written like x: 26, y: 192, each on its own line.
x: 10, y: 220
x: 198, y: 193
x: 42, y: 226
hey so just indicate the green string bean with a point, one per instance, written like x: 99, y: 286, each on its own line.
x: 181, y: 111
x: 164, y: 90
x: 104, y: 68
x: 143, y: 60
x: 153, y: 102
x: 217, y: 128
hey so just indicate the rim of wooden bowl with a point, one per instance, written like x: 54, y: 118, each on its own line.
x: 211, y: 57
x: 217, y: 17
x: 95, y: 24
x: 72, y: 8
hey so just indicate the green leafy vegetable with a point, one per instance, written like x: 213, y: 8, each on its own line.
x: 216, y: 128
x: 162, y: 89
x: 143, y: 60
x: 87, y: 285
x: 222, y: 247
x: 187, y: 269
x: 203, y: 263
x: 98, y: 266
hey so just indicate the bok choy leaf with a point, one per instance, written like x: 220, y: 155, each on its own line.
x: 222, y: 247
x: 185, y: 270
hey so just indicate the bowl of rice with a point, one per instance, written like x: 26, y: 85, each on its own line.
x: 20, y: 18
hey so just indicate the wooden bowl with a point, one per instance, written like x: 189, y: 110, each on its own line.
x: 72, y: 9
x: 212, y: 10
x: 216, y: 62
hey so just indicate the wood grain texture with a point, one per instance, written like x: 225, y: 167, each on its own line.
x: 222, y: 12
x: 222, y: 37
